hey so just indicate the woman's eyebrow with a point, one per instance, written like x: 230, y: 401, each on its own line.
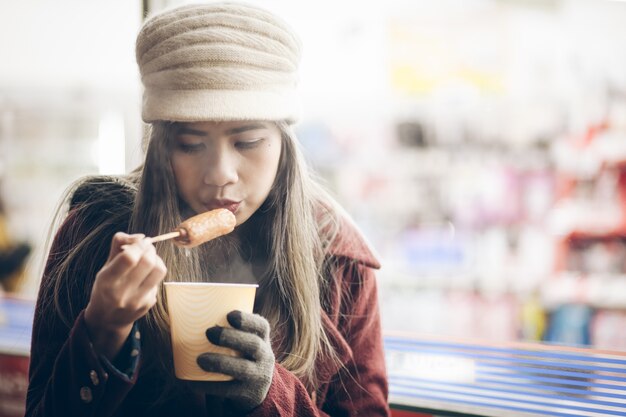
x: 190, y: 131
x: 245, y: 128
x: 239, y: 129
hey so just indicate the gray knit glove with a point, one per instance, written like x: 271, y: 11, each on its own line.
x: 252, y: 373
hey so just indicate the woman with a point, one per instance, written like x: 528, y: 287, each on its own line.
x: 219, y: 92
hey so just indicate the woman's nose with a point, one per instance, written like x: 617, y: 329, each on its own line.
x: 221, y: 169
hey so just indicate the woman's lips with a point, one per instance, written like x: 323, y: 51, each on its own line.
x: 228, y: 205
x: 232, y: 207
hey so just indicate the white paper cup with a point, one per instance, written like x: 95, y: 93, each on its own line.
x: 193, y: 307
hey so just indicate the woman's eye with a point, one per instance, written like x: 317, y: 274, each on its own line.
x: 190, y: 147
x: 248, y: 144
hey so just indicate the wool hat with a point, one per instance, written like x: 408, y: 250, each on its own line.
x: 218, y: 62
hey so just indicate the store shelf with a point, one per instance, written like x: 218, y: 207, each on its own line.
x: 474, y: 377
x: 596, y: 291
x: 16, y: 318
x: 578, y: 235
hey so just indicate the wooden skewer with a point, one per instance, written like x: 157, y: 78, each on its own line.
x: 164, y: 236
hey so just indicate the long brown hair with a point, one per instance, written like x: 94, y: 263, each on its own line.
x: 297, y: 223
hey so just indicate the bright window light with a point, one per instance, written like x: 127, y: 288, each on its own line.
x: 111, y: 144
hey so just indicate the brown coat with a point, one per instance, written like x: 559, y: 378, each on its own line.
x: 68, y: 378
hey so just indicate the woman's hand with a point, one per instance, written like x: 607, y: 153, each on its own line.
x: 252, y: 373
x: 124, y: 290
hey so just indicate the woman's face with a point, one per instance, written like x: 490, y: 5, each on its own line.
x: 226, y: 164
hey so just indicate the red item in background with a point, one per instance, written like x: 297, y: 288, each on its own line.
x: 405, y: 413
x: 13, y: 384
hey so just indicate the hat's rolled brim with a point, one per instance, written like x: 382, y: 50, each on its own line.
x: 220, y: 105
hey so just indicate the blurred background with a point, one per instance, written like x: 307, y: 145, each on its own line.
x: 479, y: 144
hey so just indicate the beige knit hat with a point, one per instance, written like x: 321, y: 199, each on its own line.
x: 218, y: 61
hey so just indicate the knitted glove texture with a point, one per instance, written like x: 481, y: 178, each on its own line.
x: 252, y: 372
